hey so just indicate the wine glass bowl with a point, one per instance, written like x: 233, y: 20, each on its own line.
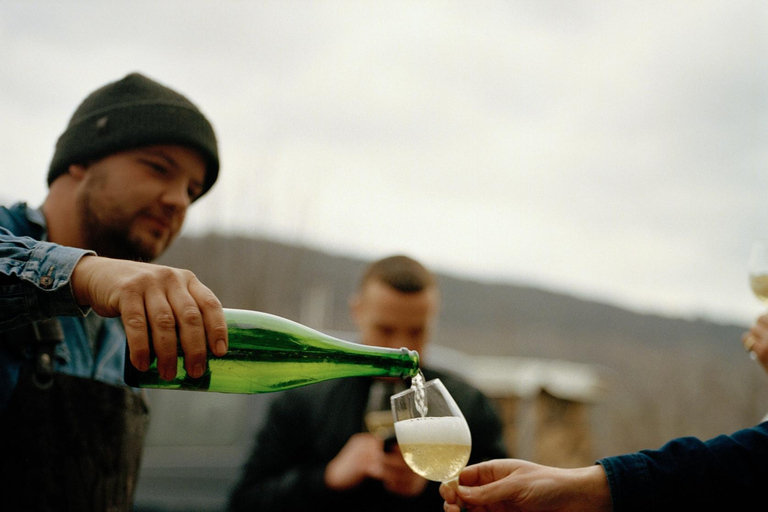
x: 431, y: 431
x: 758, y: 269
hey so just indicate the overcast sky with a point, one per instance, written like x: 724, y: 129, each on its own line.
x: 614, y: 150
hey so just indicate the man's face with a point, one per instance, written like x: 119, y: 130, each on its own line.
x: 133, y: 203
x: 389, y: 318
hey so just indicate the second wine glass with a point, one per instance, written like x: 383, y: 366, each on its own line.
x: 758, y: 269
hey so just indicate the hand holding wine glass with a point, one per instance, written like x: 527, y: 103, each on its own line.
x: 431, y: 431
x: 758, y: 280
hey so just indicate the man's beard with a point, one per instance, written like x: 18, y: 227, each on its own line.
x: 116, y: 244
x: 110, y: 237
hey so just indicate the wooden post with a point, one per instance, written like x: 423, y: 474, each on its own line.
x: 546, y: 429
x: 508, y: 409
x: 562, y: 432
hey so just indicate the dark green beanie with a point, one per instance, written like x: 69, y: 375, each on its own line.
x: 131, y: 113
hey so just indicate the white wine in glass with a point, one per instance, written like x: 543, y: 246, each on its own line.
x: 431, y: 431
x: 758, y: 269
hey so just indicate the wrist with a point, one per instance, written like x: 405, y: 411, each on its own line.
x: 79, y: 280
x: 593, y: 490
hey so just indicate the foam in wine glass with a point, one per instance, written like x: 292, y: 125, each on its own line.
x: 435, y: 447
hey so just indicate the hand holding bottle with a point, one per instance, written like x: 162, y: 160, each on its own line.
x: 155, y: 302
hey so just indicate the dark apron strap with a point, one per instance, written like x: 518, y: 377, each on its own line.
x: 35, y: 342
x: 47, y: 334
x: 69, y: 443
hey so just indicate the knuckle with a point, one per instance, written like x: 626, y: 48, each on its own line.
x: 135, y: 321
x: 185, y: 275
x: 169, y: 276
x: 165, y: 320
x: 192, y: 316
x: 210, y: 301
x: 137, y: 282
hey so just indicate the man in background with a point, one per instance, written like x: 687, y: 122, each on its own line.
x: 322, y: 445
x: 75, y: 285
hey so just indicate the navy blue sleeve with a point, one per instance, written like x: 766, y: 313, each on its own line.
x: 727, y: 472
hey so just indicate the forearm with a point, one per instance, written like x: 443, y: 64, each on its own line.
x: 686, y: 473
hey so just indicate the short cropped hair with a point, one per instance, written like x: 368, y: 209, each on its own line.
x: 402, y: 273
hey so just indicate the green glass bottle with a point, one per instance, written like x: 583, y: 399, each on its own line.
x: 270, y: 353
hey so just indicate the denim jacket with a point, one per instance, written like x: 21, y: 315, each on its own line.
x: 35, y: 284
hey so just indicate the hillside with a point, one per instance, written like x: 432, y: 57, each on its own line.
x: 670, y: 376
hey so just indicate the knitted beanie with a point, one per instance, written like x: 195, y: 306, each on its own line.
x: 131, y: 113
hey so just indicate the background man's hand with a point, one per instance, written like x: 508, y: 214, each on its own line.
x: 398, y: 478
x: 364, y: 457
x: 360, y: 458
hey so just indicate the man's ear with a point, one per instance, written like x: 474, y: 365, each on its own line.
x: 77, y: 171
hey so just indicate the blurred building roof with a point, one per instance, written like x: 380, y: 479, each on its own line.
x: 525, y: 377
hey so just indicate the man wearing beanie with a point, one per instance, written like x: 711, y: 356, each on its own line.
x: 76, y: 284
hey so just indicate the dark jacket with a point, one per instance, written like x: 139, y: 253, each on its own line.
x: 307, y: 427
x: 723, y: 473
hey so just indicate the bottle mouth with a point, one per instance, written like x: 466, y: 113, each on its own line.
x: 413, y: 356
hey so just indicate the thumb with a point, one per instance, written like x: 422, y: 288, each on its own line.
x: 483, y: 494
x: 470, y: 494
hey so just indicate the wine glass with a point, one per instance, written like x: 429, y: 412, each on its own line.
x: 758, y: 277
x: 431, y: 431
x: 758, y: 269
